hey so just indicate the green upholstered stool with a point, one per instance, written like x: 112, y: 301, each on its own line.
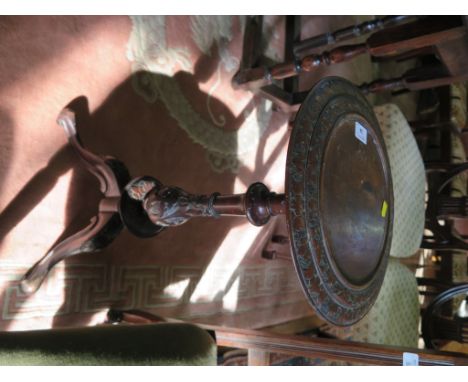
x: 110, y: 345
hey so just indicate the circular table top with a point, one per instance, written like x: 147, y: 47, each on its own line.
x: 340, y: 201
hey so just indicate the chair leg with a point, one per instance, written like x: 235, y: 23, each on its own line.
x: 252, y: 42
x: 350, y: 32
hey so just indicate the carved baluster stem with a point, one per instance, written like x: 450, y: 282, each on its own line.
x: 172, y: 206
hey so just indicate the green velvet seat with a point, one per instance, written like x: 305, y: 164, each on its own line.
x: 110, y: 345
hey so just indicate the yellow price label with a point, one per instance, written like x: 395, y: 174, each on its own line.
x: 384, y: 209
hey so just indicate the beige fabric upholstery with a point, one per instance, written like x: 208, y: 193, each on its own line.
x: 459, y: 274
x: 394, y: 318
x: 458, y: 112
x: 458, y: 155
x: 458, y: 105
x: 408, y: 178
x: 458, y: 186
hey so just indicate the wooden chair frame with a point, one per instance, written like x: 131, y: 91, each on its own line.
x: 402, y: 39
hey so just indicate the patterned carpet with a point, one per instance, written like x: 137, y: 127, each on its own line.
x: 158, y: 97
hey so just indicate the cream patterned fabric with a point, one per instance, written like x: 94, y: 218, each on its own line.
x: 459, y: 267
x: 458, y: 117
x: 459, y: 274
x: 394, y: 318
x: 408, y: 178
x: 458, y: 104
x: 458, y: 184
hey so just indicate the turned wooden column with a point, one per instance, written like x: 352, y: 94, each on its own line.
x: 350, y: 32
x: 258, y: 204
x: 171, y: 206
x: 265, y: 75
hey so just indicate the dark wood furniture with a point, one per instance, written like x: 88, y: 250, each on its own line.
x: 302, y: 47
x: 438, y: 326
x: 443, y: 207
x: 339, y: 214
x: 444, y: 38
x: 436, y: 135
